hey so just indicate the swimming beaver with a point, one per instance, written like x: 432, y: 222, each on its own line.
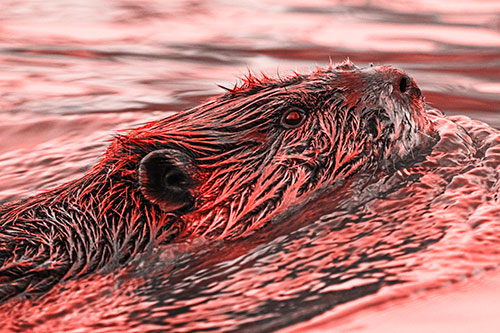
x: 220, y: 170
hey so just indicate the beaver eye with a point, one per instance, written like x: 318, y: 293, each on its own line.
x: 293, y: 117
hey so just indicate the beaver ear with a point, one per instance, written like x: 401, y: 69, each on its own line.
x: 165, y: 180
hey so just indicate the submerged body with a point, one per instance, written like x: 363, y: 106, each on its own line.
x: 222, y: 170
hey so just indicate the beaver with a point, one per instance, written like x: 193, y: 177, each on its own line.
x: 221, y: 170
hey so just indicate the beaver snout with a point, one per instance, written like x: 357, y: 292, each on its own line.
x: 398, y: 82
x: 404, y: 85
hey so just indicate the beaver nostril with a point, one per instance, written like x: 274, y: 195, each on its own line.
x: 404, y: 84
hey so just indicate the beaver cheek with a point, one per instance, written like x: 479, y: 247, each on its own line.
x: 166, y: 179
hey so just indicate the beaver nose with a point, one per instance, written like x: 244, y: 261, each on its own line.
x: 405, y: 85
x: 404, y: 82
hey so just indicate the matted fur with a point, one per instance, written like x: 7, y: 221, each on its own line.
x: 248, y: 170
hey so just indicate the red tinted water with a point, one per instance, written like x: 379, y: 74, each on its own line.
x: 72, y: 73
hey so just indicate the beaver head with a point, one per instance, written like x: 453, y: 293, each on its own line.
x: 235, y: 163
x: 219, y: 170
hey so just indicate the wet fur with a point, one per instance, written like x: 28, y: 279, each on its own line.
x: 240, y: 170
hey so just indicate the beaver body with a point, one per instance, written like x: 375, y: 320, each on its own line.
x: 221, y: 171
